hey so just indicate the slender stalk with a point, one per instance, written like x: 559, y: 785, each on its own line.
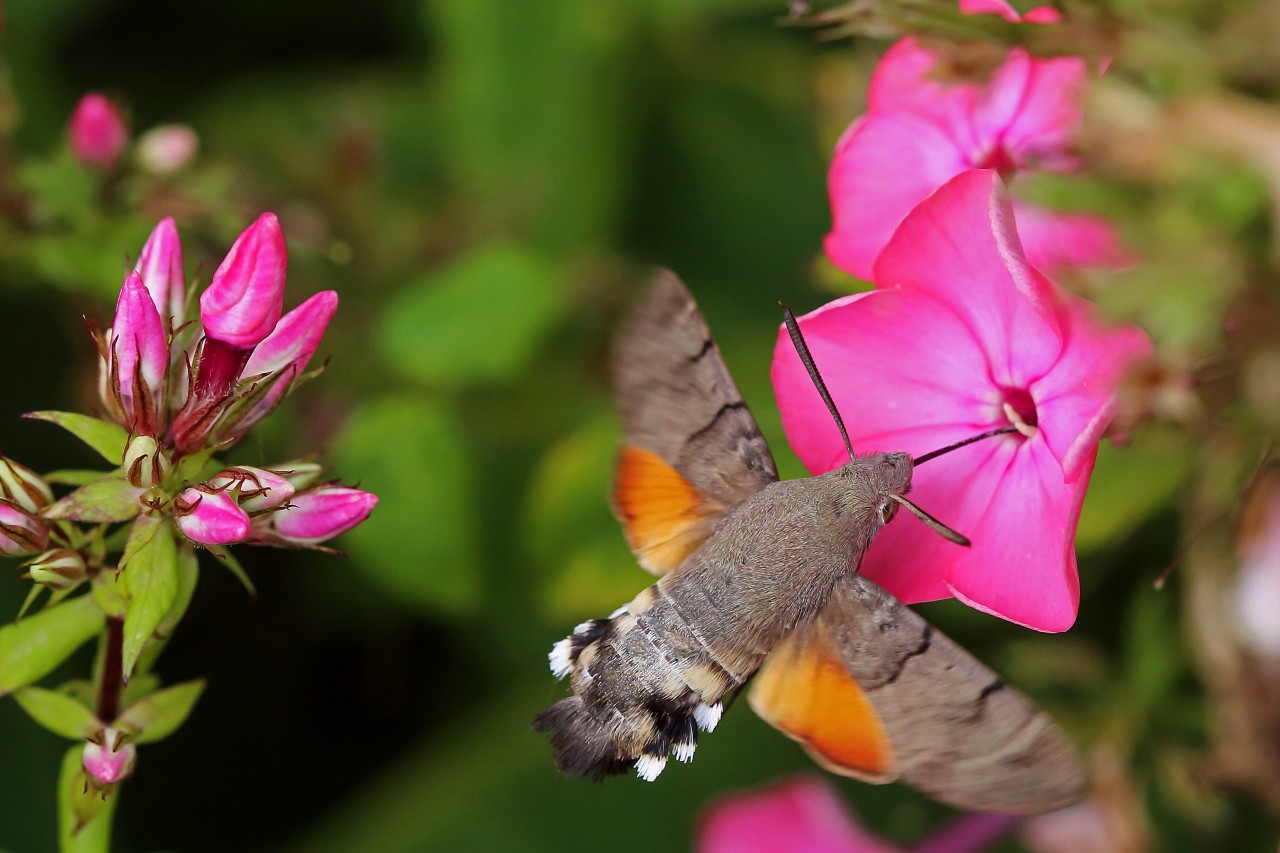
x: 112, y: 672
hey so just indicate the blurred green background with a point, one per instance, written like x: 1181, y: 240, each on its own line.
x: 486, y: 184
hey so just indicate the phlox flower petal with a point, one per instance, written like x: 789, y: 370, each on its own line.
x: 962, y: 336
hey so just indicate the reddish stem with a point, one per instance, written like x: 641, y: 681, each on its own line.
x: 112, y: 672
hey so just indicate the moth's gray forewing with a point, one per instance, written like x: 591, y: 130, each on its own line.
x: 958, y: 732
x: 678, y: 400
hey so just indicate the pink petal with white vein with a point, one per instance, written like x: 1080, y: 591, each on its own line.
x: 944, y: 249
x: 894, y: 362
x: 1074, y: 399
x: 1029, y: 527
x: 884, y: 166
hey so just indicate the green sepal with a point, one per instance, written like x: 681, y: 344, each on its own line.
x: 84, y: 810
x: 152, y: 583
x: 36, y: 589
x: 58, y: 712
x: 110, y: 498
x: 31, y: 649
x: 105, y: 437
x: 160, y: 714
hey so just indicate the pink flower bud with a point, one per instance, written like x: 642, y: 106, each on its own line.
x: 22, y: 486
x: 167, y: 148
x: 254, y: 489
x: 282, y: 357
x: 97, y: 132
x: 109, y: 761
x: 137, y: 359
x: 210, y: 518
x: 318, y: 514
x: 60, y: 568
x: 243, y: 302
x: 295, y: 337
x: 160, y: 266
x: 21, y: 532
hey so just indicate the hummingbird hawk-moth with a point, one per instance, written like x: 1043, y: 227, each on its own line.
x: 759, y: 581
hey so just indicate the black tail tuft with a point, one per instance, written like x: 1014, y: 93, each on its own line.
x: 582, y: 746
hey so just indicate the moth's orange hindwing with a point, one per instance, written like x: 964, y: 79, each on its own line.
x: 664, y: 516
x: 804, y: 691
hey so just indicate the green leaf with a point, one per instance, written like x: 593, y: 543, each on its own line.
x: 140, y: 536
x: 481, y: 319
x: 84, y: 812
x: 152, y: 581
x: 105, y: 437
x: 188, y: 572
x: 410, y: 453
x: 32, y: 648
x: 109, y: 499
x: 74, y: 476
x: 58, y: 712
x: 160, y: 714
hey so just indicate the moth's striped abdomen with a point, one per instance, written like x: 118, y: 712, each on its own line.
x: 643, y: 686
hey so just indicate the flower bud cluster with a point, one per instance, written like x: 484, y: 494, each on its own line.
x: 272, y: 507
x: 181, y: 385
x: 184, y: 387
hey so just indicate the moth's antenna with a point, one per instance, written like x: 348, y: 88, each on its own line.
x: 933, y: 454
x: 936, y: 526
x: 802, y: 350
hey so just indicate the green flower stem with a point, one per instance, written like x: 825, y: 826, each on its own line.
x: 112, y: 671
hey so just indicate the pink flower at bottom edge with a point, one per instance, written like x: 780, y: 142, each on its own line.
x: 964, y: 336
x: 802, y: 815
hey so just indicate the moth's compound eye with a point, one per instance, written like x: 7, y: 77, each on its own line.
x: 888, y: 510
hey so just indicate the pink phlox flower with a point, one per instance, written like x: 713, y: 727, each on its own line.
x: 963, y: 336
x: 802, y: 815
x: 921, y: 130
x: 97, y: 132
x: 109, y: 760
